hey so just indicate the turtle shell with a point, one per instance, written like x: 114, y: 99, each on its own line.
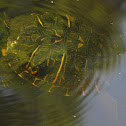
x: 36, y: 35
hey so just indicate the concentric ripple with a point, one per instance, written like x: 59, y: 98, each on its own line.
x: 50, y: 50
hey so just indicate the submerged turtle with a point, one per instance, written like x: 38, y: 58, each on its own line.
x: 30, y: 34
x: 53, y: 49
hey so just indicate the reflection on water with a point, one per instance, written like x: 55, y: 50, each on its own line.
x: 54, y: 49
x: 26, y: 107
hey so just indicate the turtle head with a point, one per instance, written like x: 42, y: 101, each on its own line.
x: 11, y: 45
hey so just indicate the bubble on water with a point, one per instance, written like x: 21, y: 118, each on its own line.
x: 74, y: 116
x: 51, y: 1
x: 111, y: 23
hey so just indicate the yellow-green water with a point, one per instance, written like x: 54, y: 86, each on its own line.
x: 53, y: 54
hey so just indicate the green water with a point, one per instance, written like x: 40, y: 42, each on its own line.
x: 51, y: 52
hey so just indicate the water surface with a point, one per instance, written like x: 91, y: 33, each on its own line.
x: 56, y: 59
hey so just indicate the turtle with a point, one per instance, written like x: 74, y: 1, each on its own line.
x: 52, y: 49
x: 29, y: 37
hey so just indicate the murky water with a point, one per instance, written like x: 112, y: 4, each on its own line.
x: 56, y: 57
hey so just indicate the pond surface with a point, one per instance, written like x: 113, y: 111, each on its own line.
x: 62, y: 63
